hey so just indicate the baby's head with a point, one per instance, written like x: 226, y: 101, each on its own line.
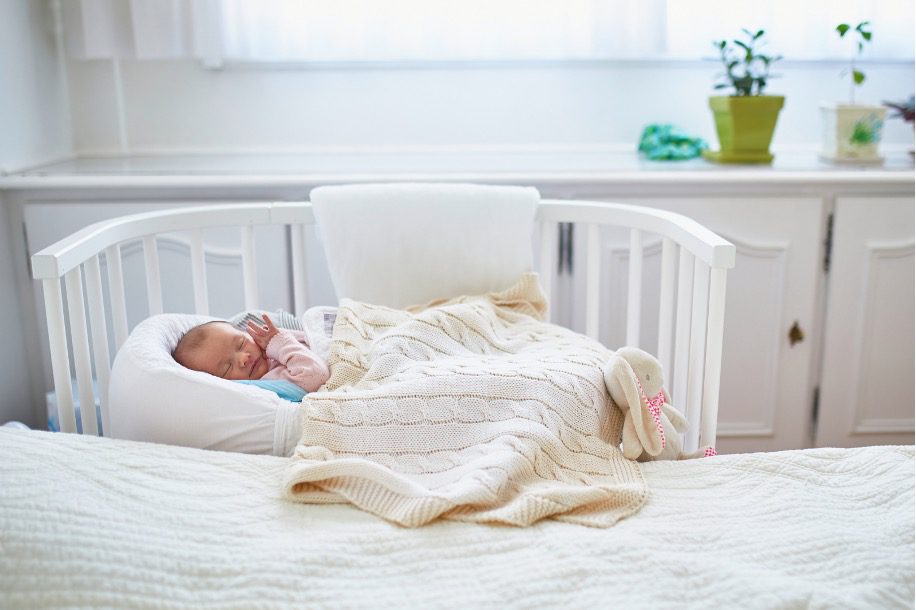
x: 222, y: 350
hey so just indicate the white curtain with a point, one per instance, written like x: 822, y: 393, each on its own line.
x: 471, y: 30
x: 406, y: 30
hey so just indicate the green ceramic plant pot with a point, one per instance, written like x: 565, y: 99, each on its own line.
x: 745, y: 126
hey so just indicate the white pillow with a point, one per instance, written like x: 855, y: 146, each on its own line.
x: 406, y: 244
x: 153, y: 398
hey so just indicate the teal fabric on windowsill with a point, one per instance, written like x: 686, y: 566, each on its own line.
x: 665, y: 142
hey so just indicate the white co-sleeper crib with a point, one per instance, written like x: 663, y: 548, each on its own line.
x: 694, y: 265
x: 105, y: 522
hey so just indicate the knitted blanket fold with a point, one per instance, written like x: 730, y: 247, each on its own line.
x: 470, y: 409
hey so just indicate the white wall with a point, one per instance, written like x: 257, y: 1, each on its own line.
x: 34, y: 128
x: 15, y: 387
x: 174, y: 106
x: 34, y: 121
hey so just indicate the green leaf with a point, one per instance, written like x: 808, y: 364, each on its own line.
x: 858, y: 77
x: 743, y: 46
x: 842, y: 29
x: 721, y: 44
x: 758, y: 34
x: 866, y: 35
x: 861, y: 26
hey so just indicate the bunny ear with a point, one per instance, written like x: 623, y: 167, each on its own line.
x: 646, y: 429
x: 632, y: 448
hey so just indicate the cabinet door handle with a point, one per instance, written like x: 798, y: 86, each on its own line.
x: 796, y: 334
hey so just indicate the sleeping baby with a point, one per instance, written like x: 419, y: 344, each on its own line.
x: 264, y: 352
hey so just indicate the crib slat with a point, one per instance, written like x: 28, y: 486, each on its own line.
x: 99, y: 334
x: 592, y: 280
x: 547, y: 262
x: 80, y: 339
x: 300, y: 278
x: 60, y: 357
x: 116, y: 294
x: 697, y: 352
x: 199, y: 274
x: 634, y: 288
x: 666, y: 304
x: 682, y: 329
x: 714, y: 335
x: 249, y: 273
x: 153, y: 279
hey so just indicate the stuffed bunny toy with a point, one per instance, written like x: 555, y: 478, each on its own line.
x: 652, y: 428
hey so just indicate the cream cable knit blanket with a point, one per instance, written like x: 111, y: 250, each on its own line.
x: 470, y: 409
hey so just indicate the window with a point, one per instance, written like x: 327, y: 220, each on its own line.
x: 473, y: 30
x: 420, y: 30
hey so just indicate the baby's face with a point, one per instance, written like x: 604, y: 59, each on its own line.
x: 229, y: 353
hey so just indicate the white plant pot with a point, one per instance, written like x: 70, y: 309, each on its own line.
x: 852, y: 133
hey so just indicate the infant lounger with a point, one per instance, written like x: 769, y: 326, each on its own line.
x: 165, y: 403
x: 158, y: 400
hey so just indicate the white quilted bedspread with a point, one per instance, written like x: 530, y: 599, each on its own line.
x: 88, y: 522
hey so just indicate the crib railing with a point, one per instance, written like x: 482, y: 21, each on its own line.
x: 694, y: 265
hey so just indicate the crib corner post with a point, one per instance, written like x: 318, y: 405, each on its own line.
x: 715, y: 329
x: 60, y: 356
x: 547, y: 261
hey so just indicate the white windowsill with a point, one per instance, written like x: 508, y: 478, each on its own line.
x: 495, y: 164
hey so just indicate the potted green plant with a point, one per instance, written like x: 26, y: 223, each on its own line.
x: 852, y: 131
x: 745, y: 120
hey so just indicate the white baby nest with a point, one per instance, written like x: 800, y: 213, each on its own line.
x: 158, y: 400
x: 694, y: 265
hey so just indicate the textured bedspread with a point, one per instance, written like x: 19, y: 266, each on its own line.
x: 104, y: 523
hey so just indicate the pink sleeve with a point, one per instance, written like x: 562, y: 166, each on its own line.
x: 299, y: 364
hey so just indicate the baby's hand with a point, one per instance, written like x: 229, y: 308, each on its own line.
x: 262, y: 334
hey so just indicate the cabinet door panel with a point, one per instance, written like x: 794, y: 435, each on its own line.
x: 767, y: 384
x: 867, y: 392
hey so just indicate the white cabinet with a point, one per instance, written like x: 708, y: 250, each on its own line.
x: 866, y: 394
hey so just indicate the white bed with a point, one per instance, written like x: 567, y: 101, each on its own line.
x: 97, y: 522
x: 100, y: 522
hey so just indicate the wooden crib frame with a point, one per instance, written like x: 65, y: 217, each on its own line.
x: 694, y: 265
